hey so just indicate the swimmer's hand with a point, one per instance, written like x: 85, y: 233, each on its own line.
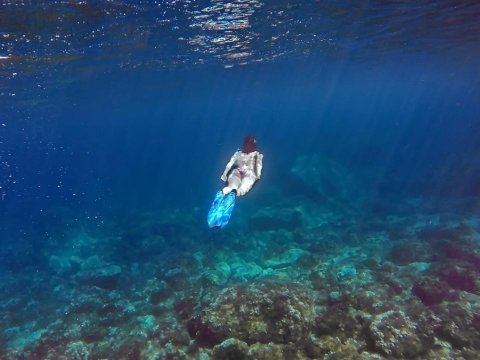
x: 223, y: 178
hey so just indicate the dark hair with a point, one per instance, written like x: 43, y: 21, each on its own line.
x: 249, y: 144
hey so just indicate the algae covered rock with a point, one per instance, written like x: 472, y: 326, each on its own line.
x: 230, y: 349
x: 64, y: 265
x: 258, y: 312
x: 159, y: 292
x: 77, y: 351
x: 245, y: 271
x: 286, y: 258
x: 346, y: 272
x: 430, y: 292
x: 105, y: 277
x: 268, y: 351
x: 177, y: 278
x: 219, y: 275
x: 463, y: 278
x: 459, y: 325
x: 394, y: 334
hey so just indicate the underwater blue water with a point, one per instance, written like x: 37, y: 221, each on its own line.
x: 153, y: 138
x: 115, y: 110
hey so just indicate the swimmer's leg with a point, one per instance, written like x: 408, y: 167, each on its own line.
x: 246, y: 185
x: 234, y: 181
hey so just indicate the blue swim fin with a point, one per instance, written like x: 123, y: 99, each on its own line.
x: 221, y: 209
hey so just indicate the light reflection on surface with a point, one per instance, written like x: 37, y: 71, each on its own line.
x: 170, y: 33
x: 226, y: 24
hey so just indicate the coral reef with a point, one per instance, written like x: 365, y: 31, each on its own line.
x: 291, y: 280
x: 259, y: 312
x: 394, y: 334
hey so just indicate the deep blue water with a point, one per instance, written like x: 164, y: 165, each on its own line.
x: 131, y: 107
x: 148, y: 138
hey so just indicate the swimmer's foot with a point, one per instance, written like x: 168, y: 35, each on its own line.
x: 226, y: 190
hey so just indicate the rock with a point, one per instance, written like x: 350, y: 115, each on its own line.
x: 275, y: 219
x: 286, y: 258
x: 430, y: 292
x: 337, y: 321
x: 106, y: 277
x: 459, y: 326
x: 335, y: 298
x: 77, y: 351
x: 177, y: 278
x: 323, y: 177
x: 223, y: 268
x: 461, y: 278
x: 393, y: 334
x: 64, y: 265
x: 244, y: 271
x: 419, y: 268
x: 313, y: 347
x: 256, y: 312
x: 268, y: 351
x: 84, y: 245
x: 230, y: 349
x: 184, y: 308
x: 457, y: 235
x: 219, y: 275
x: 85, y: 304
x: 346, y: 272
x: 92, y: 333
x: 406, y: 253
x: 170, y: 351
x: 92, y: 262
x: 463, y: 253
x: 162, y: 292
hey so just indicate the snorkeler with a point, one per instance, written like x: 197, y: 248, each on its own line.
x: 243, y: 169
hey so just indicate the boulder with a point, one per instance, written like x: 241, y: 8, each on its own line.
x: 285, y: 258
x: 430, y: 292
x: 106, y: 277
x: 394, y: 334
x: 459, y: 325
x: 230, y: 349
x: 256, y: 312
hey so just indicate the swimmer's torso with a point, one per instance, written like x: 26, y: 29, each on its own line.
x: 245, y: 162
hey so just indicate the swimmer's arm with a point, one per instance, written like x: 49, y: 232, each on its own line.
x: 259, y: 165
x: 229, y: 166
